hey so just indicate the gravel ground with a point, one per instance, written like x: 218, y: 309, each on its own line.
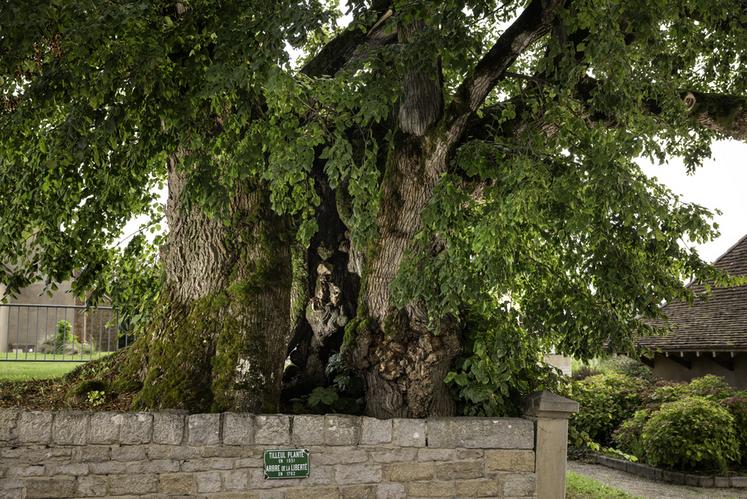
x: 641, y: 487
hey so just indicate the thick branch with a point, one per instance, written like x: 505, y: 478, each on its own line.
x: 726, y: 114
x: 533, y: 23
x: 333, y: 56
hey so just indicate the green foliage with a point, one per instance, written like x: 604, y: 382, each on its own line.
x: 615, y: 364
x: 737, y: 407
x: 501, y: 367
x: 63, y: 336
x: 96, y: 398
x: 627, y: 437
x: 548, y: 239
x: 691, y: 433
x: 606, y: 401
x: 711, y: 387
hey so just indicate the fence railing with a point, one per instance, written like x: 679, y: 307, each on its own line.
x: 59, y: 333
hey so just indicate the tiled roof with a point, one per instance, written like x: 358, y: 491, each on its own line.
x: 717, y: 323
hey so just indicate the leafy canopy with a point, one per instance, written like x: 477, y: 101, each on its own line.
x: 544, y: 226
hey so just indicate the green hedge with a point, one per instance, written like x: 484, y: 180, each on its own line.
x: 692, y: 433
x: 606, y: 401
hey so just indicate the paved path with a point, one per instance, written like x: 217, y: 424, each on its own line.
x: 648, y: 489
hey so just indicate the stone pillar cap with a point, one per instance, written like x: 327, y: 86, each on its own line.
x: 546, y: 404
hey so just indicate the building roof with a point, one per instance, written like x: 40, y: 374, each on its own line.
x: 717, y: 323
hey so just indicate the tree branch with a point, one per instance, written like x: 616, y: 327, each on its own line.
x: 333, y: 56
x: 725, y: 114
x: 533, y: 23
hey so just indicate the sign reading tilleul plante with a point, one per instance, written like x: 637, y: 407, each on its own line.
x: 286, y: 463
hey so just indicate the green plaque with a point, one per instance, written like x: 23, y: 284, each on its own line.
x: 286, y: 463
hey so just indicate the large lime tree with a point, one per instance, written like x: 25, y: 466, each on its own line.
x: 425, y: 197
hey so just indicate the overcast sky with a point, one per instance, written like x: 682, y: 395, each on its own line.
x: 721, y: 183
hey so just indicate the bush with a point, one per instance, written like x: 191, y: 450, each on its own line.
x: 606, y: 401
x: 692, y: 433
x: 712, y: 387
x: 737, y: 407
x: 628, y: 436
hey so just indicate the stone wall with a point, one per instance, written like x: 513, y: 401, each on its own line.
x: 75, y: 454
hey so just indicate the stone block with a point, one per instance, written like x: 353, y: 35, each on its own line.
x: 177, y: 484
x: 476, y: 488
x: 467, y: 454
x: 692, y: 480
x: 108, y: 468
x: 24, y: 471
x: 34, y: 427
x: 390, y: 491
x: 509, y: 460
x: 358, y: 492
x: 103, y: 428
x: 721, y: 481
x: 517, y: 484
x: 208, y: 464
x: 272, y: 430
x: 70, y: 428
x: 357, y: 473
x: 375, y: 431
x: 426, y: 454
x: 208, y: 481
x: 674, y: 477
x: 235, y: 479
x: 315, y: 492
x: 394, y: 455
x: 235, y: 451
x: 238, y: 429
x: 54, y: 469
x: 341, y: 430
x: 459, y: 470
x: 408, y: 432
x: 157, y: 466
x: 136, y: 428
x: 408, y: 472
x: 168, y: 428
x: 92, y: 486
x: 481, y: 433
x: 173, y: 452
x: 739, y: 482
x: 8, y: 424
x: 203, y: 429
x: 128, y: 453
x: 63, y: 486
x: 129, y: 484
x: 308, y: 430
x: 337, y: 455
x: 431, y: 489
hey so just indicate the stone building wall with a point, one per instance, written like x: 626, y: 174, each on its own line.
x: 75, y: 454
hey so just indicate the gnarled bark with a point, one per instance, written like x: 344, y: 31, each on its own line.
x: 220, y: 336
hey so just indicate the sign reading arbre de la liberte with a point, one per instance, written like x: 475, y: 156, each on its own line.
x: 286, y: 463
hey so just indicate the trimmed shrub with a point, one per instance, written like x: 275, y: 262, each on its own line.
x: 737, y: 407
x: 692, y: 433
x: 606, y: 401
x: 711, y: 387
x: 628, y: 436
x: 666, y: 391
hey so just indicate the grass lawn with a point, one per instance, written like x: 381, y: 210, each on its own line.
x: 23, y: 371
x: 582, y: 487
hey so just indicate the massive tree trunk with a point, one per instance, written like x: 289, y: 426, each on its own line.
x: 403, y: 359
x: 221, y: 331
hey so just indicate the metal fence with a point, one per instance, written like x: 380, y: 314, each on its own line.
x: 59, y: 333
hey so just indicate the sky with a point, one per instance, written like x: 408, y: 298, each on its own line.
x: 720, y: 184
